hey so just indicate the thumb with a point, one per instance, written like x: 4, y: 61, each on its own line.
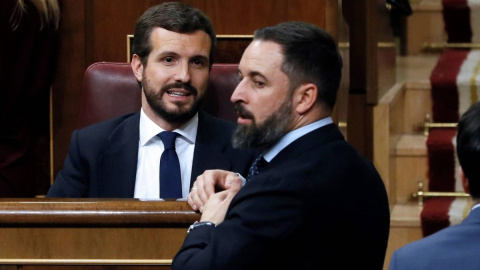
x: 236, y: 185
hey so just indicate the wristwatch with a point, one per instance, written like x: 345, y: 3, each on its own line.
x: 198, y: 224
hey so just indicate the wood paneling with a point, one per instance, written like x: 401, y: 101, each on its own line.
x: 111, y: 22
x: 372, y: 66
x: 67, y: 85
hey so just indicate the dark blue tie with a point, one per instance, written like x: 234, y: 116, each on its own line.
x: 170, y: 181
x: 258, y: 164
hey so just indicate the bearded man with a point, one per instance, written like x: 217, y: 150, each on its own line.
x: 310, y: 200
x: 122, y: 157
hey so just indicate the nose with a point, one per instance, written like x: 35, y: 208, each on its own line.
x: 182, y: 73
x: 238, y: 94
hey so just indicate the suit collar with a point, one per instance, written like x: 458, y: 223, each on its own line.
x: 293, y: 135
x: 308, y: 141
x: 473, y: 216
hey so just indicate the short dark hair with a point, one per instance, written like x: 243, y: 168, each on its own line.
x: 172, y: 16
x: 311, y: 56
x: 468, y: 147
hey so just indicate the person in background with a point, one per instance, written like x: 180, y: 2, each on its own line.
x: 28, y: 61
x: 310, y: 200
x: 454, y: 247
x: 172, y: 50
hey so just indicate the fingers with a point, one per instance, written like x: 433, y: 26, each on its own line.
x: 206, y: 184
x: 204, y: 187
x: 229, y: 178
x: 217, y: 205
x: 236, y: 185
x: 194, y: 199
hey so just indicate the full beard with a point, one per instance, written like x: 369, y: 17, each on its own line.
x: 181, y: 114
x: 262, y: 136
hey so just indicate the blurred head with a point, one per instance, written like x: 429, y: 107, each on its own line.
x: 468, y: 147
x: 48, y: 11
x: 290, y: 75
x: 172, y: 56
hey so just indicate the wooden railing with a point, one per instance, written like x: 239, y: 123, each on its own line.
x: 108, y: 232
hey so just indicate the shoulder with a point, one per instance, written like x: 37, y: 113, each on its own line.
x: 127, y: 123
x: 422, y: 253
x: 213, y: 122
x: 112, y: 123
x: 211, y: 128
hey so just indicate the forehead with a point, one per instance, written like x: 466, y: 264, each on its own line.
x: 194, y: 43
x: 263, y: 57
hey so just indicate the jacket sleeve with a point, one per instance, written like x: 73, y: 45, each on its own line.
x: 72, y: 180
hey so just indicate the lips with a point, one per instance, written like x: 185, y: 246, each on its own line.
x: 179, y: 89
x: 178, y: 93
x: 244, y: 116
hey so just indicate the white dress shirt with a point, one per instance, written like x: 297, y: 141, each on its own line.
x: 150, y: 149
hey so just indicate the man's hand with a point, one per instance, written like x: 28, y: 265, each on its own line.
x: 205, y: 186
x: 216, y: 207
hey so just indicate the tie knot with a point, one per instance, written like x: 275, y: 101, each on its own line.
x: 168, y: 139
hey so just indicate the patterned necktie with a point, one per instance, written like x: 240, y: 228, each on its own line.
x: 257, y: 166
x: 170, y: 181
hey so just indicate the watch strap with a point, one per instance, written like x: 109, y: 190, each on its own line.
x: 200, y: 223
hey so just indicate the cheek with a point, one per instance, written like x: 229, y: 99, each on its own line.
x: 261, y: 110
x: 265, y: 108
x: 199, y: 80
x: 158, y: 78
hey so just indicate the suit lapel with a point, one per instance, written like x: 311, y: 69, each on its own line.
x: 118, y: 165
x: 209, y: 147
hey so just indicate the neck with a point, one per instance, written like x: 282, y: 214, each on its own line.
x: 311, y: 116
x: 164, y: 124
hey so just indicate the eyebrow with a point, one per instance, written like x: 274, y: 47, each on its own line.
x: 203, y: 57
x: 253, y: 74
x: 256, y: 73
x: 172, y: 53
x: 166, y: 53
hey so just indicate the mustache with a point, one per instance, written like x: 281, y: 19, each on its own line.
x: 186, y: 86
x: 241, y: 111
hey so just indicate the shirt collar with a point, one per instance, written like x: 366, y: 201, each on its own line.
x: 149, y: 130
x: 293, y: 135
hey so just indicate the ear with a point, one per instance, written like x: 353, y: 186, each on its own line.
x: 304, y: 97
x: 137, y: 67
x: 464, y: 179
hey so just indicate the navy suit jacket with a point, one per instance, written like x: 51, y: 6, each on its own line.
x: 455, y: 247
x: 318, y: 204
x: 102, y: 158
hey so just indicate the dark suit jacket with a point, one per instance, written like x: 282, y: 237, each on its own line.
x: 102, y: 159
x: 317, y: 205
x: 455, y: 247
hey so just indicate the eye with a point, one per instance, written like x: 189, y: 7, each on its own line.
x: 168, y: 59
x: 199, y: 62
x: 259, y: 84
